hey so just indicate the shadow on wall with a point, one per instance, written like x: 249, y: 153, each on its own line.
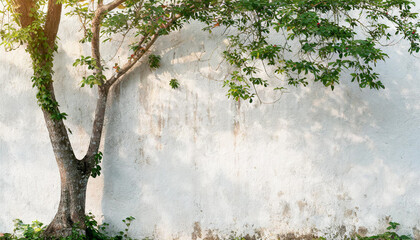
x: 312, y: 163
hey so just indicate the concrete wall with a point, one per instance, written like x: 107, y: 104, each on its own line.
x: 189, y: 163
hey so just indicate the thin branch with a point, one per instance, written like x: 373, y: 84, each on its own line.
x: 112, y: 5
x: 96, y: 29
x: 120, y: 45
x: 98, y: 123
x: 95, y: 42
x: 139, y: 53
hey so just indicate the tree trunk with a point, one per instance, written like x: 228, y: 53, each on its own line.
x: 71, y: 210
x: 74, y: 175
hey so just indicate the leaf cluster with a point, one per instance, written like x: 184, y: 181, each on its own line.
x: 96, y: 169
x: 302, y: 40
x: 294, y: 41
x: 174, y: 83
x: 94, y: 78
x: 154, y: 61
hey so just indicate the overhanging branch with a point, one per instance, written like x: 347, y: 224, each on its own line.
x: 139, y: 54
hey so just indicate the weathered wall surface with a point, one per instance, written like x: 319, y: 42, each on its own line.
x: 190, y: 163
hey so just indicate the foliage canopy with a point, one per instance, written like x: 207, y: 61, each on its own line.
x: 299, y: 40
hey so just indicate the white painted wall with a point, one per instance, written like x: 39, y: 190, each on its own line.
x: 309, y: 164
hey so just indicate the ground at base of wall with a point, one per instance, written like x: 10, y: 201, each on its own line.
x: 36, y: 229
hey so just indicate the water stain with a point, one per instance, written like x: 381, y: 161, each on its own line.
x: 344, y: 197
x: 210, y: 235
x: 350, y: 213
x: 362, y: 231
x: 196, y: 120
x: 416, y: 233
x: 286, y: 210
x: 146, y: 95
x: 236, y: 123
x: 295, y: 236
x: 302, y: 205
x: 209, y: 113
x: 341, y: 230
x: 116, y: 90
x: 196, y: 232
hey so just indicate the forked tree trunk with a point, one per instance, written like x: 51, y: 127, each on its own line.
x: 74, y: 175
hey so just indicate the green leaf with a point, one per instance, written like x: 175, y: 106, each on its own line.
x: 174, y: 83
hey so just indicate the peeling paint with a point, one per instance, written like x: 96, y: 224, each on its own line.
x: 302, y: 205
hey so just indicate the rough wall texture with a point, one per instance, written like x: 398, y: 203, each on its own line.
x: 190, y: 164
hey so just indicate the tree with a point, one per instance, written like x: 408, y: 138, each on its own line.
x: 315, y: 40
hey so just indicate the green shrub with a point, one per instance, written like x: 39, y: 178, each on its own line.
x: 388, y: 235
x: 94, y: 231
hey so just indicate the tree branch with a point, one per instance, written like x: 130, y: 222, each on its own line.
x: 52, y: 22
x: 98, y: 124
x: 58, y: 133
x: 96, y: 54
x: 112, y: 5
x: 23, y: 8
x: 103, y: 88
x: 138, y: 54
x: 96, y: 29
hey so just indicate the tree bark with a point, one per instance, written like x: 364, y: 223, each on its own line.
x: 74, y: 175
x: 71, y: 209
x: 98, y: 124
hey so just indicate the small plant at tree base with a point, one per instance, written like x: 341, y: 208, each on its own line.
x: 94, y: 231
x: 26, y: 231
x: 154, y: 61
